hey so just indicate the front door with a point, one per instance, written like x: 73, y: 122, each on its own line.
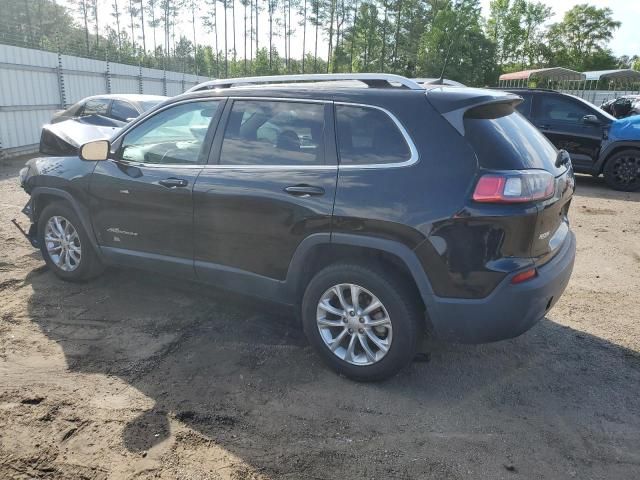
x: 142, y: 198
x: 561, y: 120
x: 270, y: 183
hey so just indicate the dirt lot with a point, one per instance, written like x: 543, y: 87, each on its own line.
x: 139, y: 376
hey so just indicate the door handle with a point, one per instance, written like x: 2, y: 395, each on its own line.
x: 304, y: 191
x: 173, y: 182
x: 544, y: 126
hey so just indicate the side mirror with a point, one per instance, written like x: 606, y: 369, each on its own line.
x: 590, y: 120
x: 95, y: 151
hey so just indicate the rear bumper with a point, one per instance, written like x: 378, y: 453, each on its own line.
x: 509, y: 310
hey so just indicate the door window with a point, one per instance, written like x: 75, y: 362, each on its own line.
x: 173, y: 136
x: 97, y: 106
x: 556, y: 108
x: 369, y: 136
x: 123, y: 111
x: 274, y: 133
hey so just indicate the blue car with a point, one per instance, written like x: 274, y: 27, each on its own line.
x: 597, y: 142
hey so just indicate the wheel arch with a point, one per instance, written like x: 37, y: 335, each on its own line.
x: 611, y: 150
x: 320, y: 250
x: 41, y: 197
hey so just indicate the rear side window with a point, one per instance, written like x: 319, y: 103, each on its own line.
x: 525, y: 107
x: 123, y: 111
x: 273, y: 133
x: 367, y: 135
x: 95, y: 107
x: 504, y: 140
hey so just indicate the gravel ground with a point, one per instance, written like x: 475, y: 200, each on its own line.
x: 139, y: 376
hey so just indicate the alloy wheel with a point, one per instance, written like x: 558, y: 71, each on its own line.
x: 626, y: 170
x: 63, y: 243
x: 354, y: 324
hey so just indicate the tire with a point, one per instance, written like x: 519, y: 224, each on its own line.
x: 400, y: 306
x: 81, y: 262
x: 622, y: 171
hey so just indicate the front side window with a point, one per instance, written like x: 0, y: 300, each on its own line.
x: 556, y: 108
x: 123, y: 111
x: 173, y: 136
x: 369, y: 136
x: 273, y: 133
x: 97, y: 106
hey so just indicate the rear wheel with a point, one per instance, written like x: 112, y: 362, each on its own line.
x: 65, y: 245
x: 364, y: 322
x: 622, y: 171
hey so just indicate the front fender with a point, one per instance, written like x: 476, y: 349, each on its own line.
x: 40, y: 196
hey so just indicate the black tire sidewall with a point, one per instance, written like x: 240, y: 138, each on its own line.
x: 608, y: 172
x: 88, y: 259
x: 398, y: 299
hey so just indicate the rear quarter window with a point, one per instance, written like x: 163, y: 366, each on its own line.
x: 504, y: 140
x: 367, y: 135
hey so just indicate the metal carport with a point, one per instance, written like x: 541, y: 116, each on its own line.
x: 630, y: 79
x: 551, y: 76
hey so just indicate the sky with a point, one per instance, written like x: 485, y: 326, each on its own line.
x: 626, y: 40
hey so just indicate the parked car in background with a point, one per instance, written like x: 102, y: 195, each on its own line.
x: 380, y: 212
x: 597, y: 142
x: 91, y: 118
x: 621, y: 107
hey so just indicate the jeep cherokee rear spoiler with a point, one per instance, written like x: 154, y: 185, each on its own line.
x: 454, y: 103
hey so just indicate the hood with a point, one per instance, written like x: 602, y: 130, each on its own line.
x: 625, y: 128
x: 65, y: 138
x: 77, y: 133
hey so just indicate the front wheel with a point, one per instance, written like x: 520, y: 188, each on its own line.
x: 622, y: 171
x: 65, y: 245
x: 364, y: 322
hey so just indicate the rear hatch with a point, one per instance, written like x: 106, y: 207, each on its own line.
x: 508, y: 146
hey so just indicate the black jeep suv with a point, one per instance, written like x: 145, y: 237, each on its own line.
x: 597, y: 142
x: 380, y: 209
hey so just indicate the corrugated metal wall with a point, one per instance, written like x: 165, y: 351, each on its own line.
x: 34, y: 84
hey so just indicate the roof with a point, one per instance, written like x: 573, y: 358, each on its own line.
x: 372, y: 80
x: 555, y: 73
x: 622, y: 75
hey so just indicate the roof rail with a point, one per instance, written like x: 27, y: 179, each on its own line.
x: 370, y: 79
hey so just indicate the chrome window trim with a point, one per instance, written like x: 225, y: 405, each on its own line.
x: 415, y: 156
x: 277, y: 99
x: 365, y: 166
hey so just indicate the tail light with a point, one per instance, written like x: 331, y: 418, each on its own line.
x: 515, y: 187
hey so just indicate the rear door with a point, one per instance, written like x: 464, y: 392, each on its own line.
x: 269, y: 184
x: 560, y: 118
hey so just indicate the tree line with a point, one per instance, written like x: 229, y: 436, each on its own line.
x: 408, y: 37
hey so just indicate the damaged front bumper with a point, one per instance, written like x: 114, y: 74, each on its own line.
x: 31, y: 234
